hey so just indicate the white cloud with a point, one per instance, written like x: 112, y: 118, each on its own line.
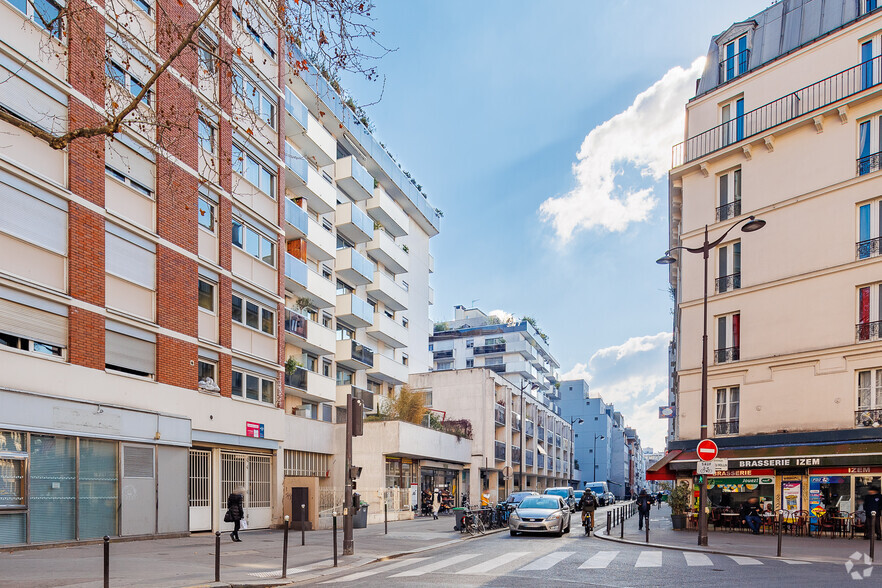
x: 501, y: 315
x: 641, y: 136
x: 634, y: 345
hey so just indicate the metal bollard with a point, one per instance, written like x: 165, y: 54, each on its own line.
x: 217, y: 556
x: 385, y: 518
x: 780, y: 531
x: 106, y: 561
x: 622, y: 530
x: 872, y: 530
x: 302, y: 524
x: 608, y: 521
x: 646, y: 522
x: 335, y: 539
x: 285, y: 549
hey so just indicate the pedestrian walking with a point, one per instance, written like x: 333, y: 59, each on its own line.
x: 644, y: 505
x: 235, y: 511
x: 659, y: 499
x: 873, y: 503
x: 436, y: 503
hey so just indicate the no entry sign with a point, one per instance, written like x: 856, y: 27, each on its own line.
x: 707, y: 450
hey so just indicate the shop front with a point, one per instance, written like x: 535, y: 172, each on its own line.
x: 841, y: 490
x: 732, y: 489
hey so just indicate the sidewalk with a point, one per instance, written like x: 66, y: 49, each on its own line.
x: 814, y: 549
x: 189, y: 561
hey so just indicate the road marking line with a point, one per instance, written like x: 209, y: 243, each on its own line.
x: 697, y: 559
x: 745, y: 561
x: 795, y: 562
x: 599, y: 560
x: 377, y: 570
x: 274, y: 573
x: 649, y: 559
x: 435, y: 566
x: 483, y: 568
x: 544, y: 563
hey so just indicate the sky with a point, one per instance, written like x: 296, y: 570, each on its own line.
x: 543, y: 131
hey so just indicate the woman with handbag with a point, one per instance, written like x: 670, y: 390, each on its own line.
x: 235, y: 511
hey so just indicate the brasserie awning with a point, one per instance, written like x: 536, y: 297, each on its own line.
x: 784, y: 456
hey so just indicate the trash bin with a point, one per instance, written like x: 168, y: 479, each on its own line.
x: 457, y: 517
x: 359, y: 519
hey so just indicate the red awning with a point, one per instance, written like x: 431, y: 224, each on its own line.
x: 660, y: 471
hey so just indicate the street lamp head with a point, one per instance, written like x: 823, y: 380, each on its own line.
x: 579, y: 422
x: 754, y: 224
x: 666, y: 260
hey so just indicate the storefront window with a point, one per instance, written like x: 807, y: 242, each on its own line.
x: 862, y: 485
x: 52, y: 489
x: 733, y: 492
x: 97, y: 487
x: 833, y: 493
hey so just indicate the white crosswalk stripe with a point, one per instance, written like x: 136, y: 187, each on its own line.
x: 745, y: 561
x: 491, y: 564
x: 649, y: 559
x: 697, y: 559
x: 599, y: 560
x: 796, y: 562
x: 436, y: 565
x: 544, y: 563
x: 377, y: 570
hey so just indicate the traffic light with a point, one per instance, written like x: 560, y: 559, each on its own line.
x: 354, y: 472
x: 698, y: 480
x: 357, y: 415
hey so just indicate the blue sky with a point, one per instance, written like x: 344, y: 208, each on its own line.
x: 488, y: 104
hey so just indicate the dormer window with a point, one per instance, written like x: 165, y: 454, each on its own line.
x: 734, y: 59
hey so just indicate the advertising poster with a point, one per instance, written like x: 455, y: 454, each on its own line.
x: 791, y: 495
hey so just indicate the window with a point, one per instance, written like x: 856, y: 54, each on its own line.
x: 129, y: 257
x: 206, y: 295
x: 250, y: 168
x: 344, y: 288
x: 728, y: 338
x: 728, y: 400
x: 470, y: 343
x: 45, y: 13
x: 869, y: 394
x: 255, y: 99
x: 344, y: 377
x: 867, y: 64
x: 869, y: 326
x: 869, y: 145
x: 470, y: 363
x: 869, y: 229
x: 253, y: 315
x: 129, y: 164
x: 493, y: 361
x: 254, y: 34
x: 207, y: 369
x: 16, y: 342
x: 207, y: 50
x: 733, y: 121
x: 253, y: 387
x: 207, y: 135
x: 34, y: 325
x: 34, y: 216
x: 255, y: 244
x: 735, y: 59
x: 730, y: 195
x: 206, y: 214
x: 135, y: 185
x: 404, y: 322
x: 445, y: 365
x: 867, y: 6
x: 404, y: 359
x: 344, y: 332
x: 326, y: 368
x: 729, y: 267
x: 129, y: 350
x: 125, y: 79
x: 326, y: 272
x: 327, y: 320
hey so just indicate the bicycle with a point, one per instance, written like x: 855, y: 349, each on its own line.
x: 588, y: 517
x: 473, y: 524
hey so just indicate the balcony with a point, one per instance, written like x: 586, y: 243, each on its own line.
x: 354, y: 223
x: 489, y: 349
x: 528, y: 458
x: 868, y: 248
x: 515, y: 421
x: 499, y: 415
x: 443, y: 354
x: 320, y: 242
x: 322, y: 293
x: 354, y: 355
x: 726, y: 427
x: 868, y: 417
x: 354, y: 311
x: 541, y: 433
x: 296, y: 272
x: 384, y: 249
x: 522, y: 368
x: 388, y: 291
x: 389, y: 370
x: 727, y: 283
x: 431, y: 264
x: 540, y: 461
x: 385, y: 211
x: 295, y: 167
x: 296, y: 114
x: 366, y: 397
x: 313, y: 140
x: 728, y: 211
x: 524, y: 348
x: 557, y: 440
x: 354, y: 267
x: 528, y: 428
x: 869, y: 331
x: 296, y: 221
x: 499, y: 451
x: 869, y: 163
x: 794, y: 105
x: 308, y: 335
x: 515, y: 454
x: 318, y: 189
x: 296, y: 325
x: 499, y: 368
x: 297, y: 380
x: 734, y: 66
x: 354, y: 179
x: 388, y: 330
x: 727, y: 355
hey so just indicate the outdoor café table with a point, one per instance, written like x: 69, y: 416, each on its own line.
x: 840, y: 525
x: 731, y: 519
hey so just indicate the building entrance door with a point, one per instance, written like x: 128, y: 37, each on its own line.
x: 253, y: 473
x: 200, y: 490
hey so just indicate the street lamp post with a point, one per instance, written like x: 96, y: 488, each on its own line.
x: 594, y: 472
x: 752, y: 224
x: 573, y: 421
x: 533, y: 386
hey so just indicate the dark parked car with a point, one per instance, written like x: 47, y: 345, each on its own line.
x: 565, y: 492
x: 515, y: 498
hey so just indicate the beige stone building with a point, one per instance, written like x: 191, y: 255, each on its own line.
x: 785, y: 125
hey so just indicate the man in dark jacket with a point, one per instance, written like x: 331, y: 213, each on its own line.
x: 873, y: 503
x: 751, y: 515
x: 644, y: 505
x: 588, y: 504
x: 236, y: 511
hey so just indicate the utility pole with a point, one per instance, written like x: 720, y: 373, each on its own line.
x: 348, y: 545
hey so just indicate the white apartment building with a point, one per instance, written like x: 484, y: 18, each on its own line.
x: 784, y: 126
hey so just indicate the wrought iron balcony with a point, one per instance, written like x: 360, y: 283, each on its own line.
x: 868, y: 248
x: 727, y: 355
x: 444, y: 354
x: 869, y: 331
x: 868, y: 417
x: 488, y: 349
x: 297, y: 379
x: 734, y: 66
x: 726, y: 428
x: 499, y: 415
x: 730, y: 282
x: 728, y: 211
x: 499, y: 451
x: 869, y: 164
x: 296, y: 323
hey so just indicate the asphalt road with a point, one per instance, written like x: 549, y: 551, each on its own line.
x: 502, y: 560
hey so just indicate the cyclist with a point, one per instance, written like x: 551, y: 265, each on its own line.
x: 588, y: 505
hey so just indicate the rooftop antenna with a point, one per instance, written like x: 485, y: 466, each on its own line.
x: 473, y: 302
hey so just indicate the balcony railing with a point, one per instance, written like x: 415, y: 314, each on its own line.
x: 869, y: 163
x: 868, y: 331
x: 362, y: 353
x: 730, y: 282
x: 366, y: 396
x: 528, y: 457
x: 549, y: 439
x: 296, y: 323
x: 726, y: 428
x: 557, y: 440
x: 486, y: 349
x: 499, y: 415
x: 868, y: 417
x: 734, y: 66
x: 837, y: 87
x: 528, y: 428
x: 726, y: 355
x: 445, y: 354
x: 498, y: 368
x: 515, y: 421
x: 297, y: 379
x: 541, y: 433
x: 515, y: 454
x: 868, y: 248
x: 728, y: 211
x: 499, y: 451
x: 540, y: 461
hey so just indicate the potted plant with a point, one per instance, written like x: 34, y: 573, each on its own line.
x: 679, y: 501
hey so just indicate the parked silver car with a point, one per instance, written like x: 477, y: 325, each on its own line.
x: 540, y: 514
x: 610, y: 497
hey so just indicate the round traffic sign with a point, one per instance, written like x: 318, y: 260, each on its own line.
x: 707, y: 450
